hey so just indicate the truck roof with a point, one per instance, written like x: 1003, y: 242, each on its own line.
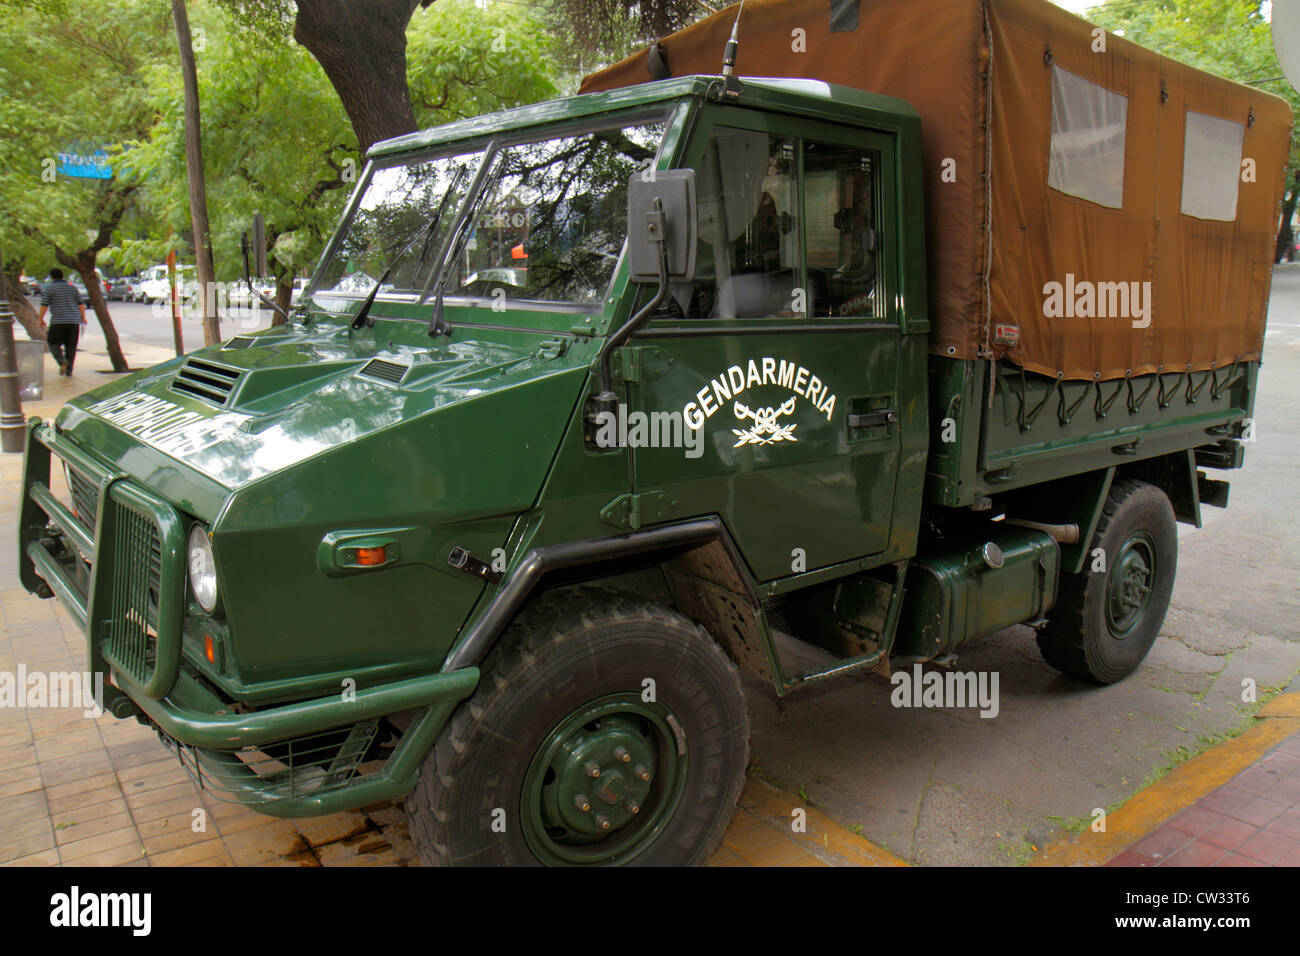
x: 802, y: 96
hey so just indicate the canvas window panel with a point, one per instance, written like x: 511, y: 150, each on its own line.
x: 1088, y: 131
x: 1211, y: 167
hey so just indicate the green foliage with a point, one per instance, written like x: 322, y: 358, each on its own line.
x: 275, y: 141
x: 595, y: 33
x: 272, y: 19
x: 463, y: 59
x: 1228, y: 37
x: 72, y: 74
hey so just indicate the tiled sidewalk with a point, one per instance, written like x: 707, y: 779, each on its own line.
x: 104, y: 792
x: 84, y: 791
x: 1253, y: 820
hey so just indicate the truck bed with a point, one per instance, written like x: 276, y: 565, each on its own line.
x: 1029, y: 429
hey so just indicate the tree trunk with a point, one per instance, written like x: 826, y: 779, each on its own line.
x: 1285, y: 236
x: 283, y: 295
x: 204, y: 268
x: 84, y: 265
x: 16, y: 293
x: 361, y: 45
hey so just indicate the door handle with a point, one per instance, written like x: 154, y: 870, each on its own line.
x: 870, y: 419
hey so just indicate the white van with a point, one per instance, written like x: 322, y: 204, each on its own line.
x: 154, y: 287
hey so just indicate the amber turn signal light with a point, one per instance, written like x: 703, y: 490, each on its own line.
x: 370, y: 557
x: 209, y: 651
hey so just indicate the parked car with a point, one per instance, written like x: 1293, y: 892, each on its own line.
x: 121, y: 288
x: 237, y: 292
x: 154, y: 286
x: 75, y: 280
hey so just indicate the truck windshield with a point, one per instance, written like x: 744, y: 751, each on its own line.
x: 550, y: 222
x: 398, y: 205
x: 546, y: 226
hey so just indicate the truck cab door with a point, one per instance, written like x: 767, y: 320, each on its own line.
x: 781, y: 358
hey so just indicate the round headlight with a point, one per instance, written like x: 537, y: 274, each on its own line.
x: 203, y: 569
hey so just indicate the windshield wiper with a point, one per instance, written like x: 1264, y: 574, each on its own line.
x: 428, y: 233
x: 460, y: 232
x: 437, y: 324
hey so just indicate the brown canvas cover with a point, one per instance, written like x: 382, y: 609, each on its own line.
x: 999, y: 234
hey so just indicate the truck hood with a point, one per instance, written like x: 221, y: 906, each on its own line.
x: 264, y: 402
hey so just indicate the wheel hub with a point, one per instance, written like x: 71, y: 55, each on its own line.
x: 1131, y: 579
x: 594, y: 788
x: 603, y: 782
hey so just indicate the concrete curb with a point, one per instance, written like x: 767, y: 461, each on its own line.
x: 1170, y: 795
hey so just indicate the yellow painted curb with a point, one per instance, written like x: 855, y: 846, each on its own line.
x: 764, y: 800
x: 1283, y: 705
x: 1178, y: 790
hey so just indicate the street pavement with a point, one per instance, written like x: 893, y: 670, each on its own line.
x: 138, y: 323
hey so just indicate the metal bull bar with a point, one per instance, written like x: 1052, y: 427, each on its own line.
x: 120, y: 574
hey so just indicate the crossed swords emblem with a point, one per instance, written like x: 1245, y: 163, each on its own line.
x: 765, y: 429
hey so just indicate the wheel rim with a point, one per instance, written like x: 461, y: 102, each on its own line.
x: 604, y: 782
x: 1132, y: 578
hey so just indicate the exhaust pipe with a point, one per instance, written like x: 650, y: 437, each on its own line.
x: 1060, y: 533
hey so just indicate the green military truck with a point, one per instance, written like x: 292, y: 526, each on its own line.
x: 588, y: 400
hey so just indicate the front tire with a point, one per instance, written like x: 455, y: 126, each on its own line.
x: 606, y: 729
x: 1106, y: 621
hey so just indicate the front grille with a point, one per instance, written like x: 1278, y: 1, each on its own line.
x: 304, y: 766
x: 85, y: 498
x: 382, y: 371
x: 208, y: 381
x: 130, y: 636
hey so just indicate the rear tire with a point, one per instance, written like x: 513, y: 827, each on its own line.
x: 564, y: 693
x: 1106, y: 621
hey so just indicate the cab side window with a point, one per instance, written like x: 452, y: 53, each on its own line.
x: 748, y: 261
x: 840, y: 205
x: 774, y: 247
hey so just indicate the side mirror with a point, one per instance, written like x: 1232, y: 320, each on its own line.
x: 662, y: 215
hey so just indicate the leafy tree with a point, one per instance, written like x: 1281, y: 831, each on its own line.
x: 467, y: 60
x: 1228, y: 37
x: 362, y: 44
x: 71, y: 79
x: 595, y: 33
x: 277, y: 140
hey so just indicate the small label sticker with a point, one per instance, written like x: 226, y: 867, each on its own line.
x: 1006, y: 334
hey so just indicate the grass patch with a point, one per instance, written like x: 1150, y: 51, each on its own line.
x: 1017, y: 855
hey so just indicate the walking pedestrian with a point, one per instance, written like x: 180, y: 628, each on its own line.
x: 67, y: 316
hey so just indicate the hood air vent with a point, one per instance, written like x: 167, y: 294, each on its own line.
x: 381, y: 371
x: 210, y: 382
x: 239, y: 342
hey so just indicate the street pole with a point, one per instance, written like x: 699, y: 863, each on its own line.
x: 12, y: 428
x: 171, y: 299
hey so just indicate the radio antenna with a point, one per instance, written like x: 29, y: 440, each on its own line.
x: 730, y: 85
